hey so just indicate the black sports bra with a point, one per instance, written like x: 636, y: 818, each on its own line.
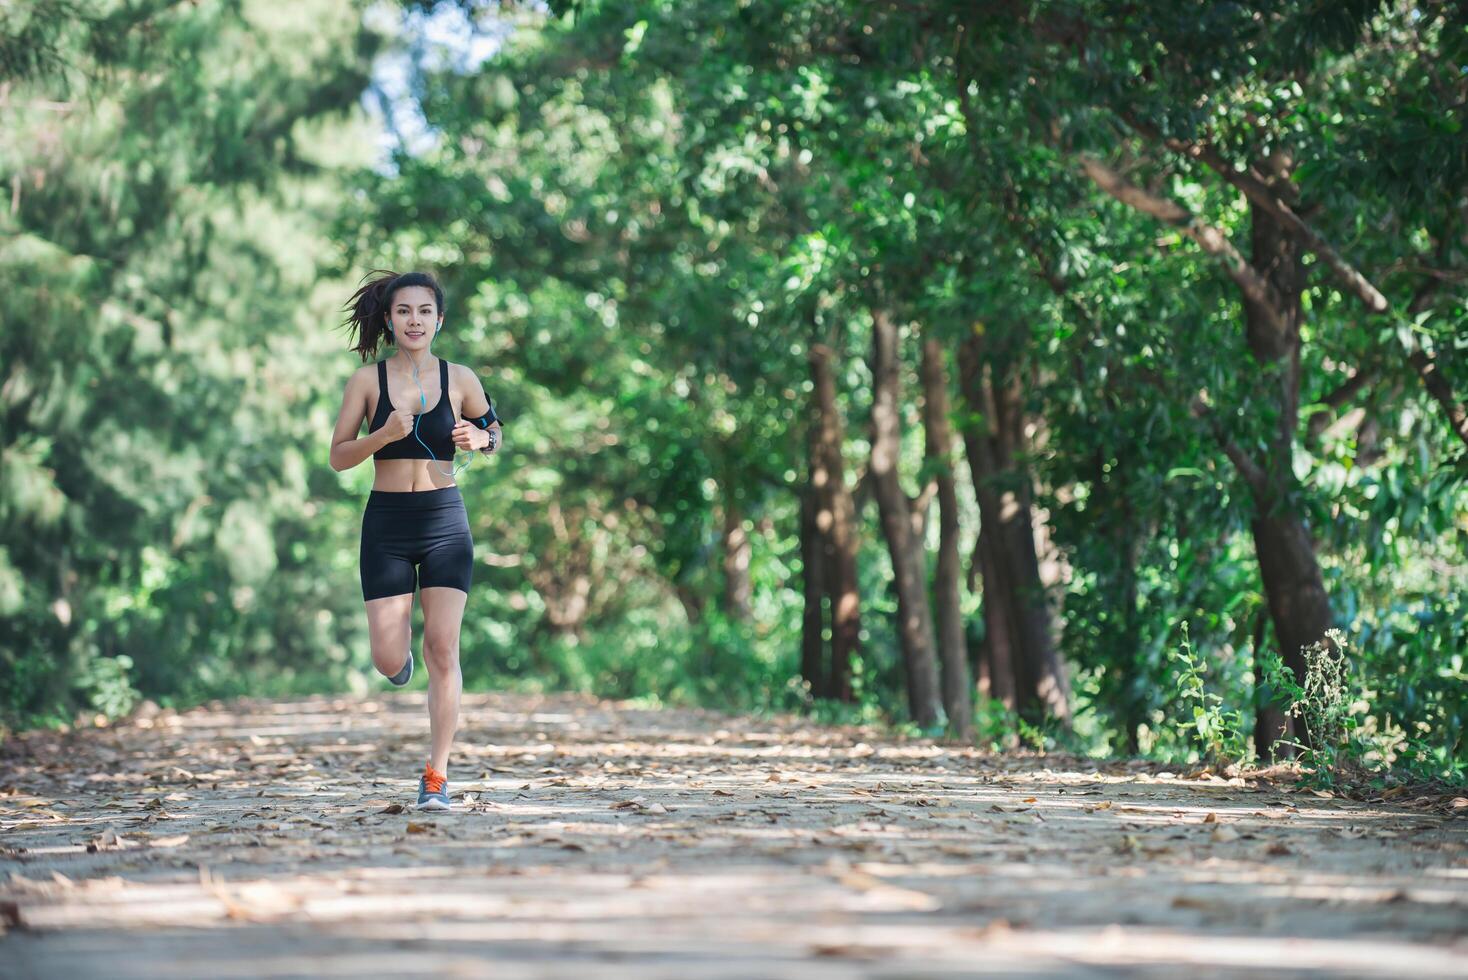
x: 435, y: 426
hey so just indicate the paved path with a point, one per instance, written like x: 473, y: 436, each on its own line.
x: 269, y: 839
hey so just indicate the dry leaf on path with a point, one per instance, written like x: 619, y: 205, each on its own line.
x: 108, y: 839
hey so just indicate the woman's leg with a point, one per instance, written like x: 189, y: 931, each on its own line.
x: 443, y: 613
x: 390, y: 631
x: 389, y: 579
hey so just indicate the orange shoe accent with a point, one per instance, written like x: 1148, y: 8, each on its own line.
x: 433, y: 780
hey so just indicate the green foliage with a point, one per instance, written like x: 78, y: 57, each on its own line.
x: 158, y: 255
x: 1352, y: 746
x: 105, y: 686
x: 1220, y: 734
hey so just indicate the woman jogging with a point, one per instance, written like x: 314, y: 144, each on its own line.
x: 420, y: 410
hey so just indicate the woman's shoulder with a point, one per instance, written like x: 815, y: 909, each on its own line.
x: 461, y: 373
x: 364, y: 375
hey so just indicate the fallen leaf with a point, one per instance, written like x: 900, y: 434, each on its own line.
x: 845, y: 951
x: 108, y: 839
x: 9, y: 916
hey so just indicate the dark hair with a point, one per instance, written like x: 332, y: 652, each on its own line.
x: 367, y: 309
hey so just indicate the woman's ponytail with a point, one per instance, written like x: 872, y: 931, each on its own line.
x: 367, y: 312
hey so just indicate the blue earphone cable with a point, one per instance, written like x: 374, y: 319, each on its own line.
x: 423, y: 404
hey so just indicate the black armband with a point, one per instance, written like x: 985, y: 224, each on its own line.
x: 487, y: 419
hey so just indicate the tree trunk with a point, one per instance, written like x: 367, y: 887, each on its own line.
x: 1295, y: 592
x: 691, y: 600
x: 938, y: 450
x: 1271, y: 724
x: 738, y: 593
x: 1288, y: 568
x: 1134, y: 707
x: 836, y: 522
x: 813, y: 568
x: 1019, y: 637
x: 1000, y: 648
x: 914, y: 618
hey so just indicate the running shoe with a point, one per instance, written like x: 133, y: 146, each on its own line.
x: 406, y: 674
x: 433, y: 789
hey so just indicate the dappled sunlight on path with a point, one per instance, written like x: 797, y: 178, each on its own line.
x: 272, y: 838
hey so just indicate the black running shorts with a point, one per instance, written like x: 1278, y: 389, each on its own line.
x: 415, y: 539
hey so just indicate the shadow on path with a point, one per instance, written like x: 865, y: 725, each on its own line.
x: 271, y: 838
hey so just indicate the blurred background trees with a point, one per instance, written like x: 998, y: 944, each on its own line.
x: 919, y: 361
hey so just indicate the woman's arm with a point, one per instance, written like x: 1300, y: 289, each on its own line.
x: 476, y: 402
x: 347, y: 450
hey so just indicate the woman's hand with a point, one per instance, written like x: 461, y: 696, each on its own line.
x: 398, y: 425
x: 468, y: 437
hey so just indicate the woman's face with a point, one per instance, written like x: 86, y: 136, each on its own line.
x: 413, y: 317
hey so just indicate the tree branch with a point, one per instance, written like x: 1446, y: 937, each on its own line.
x: 1257, y: 190
x: 1342, y: 394
x: 1251, y: 471
x: 1425, y: 364
x: 1438, y: 387
x: 1213, y: 241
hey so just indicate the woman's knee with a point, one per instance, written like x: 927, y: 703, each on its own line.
x: 440, y: 653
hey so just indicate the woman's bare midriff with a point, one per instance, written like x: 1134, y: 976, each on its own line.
x: 411, y: 475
